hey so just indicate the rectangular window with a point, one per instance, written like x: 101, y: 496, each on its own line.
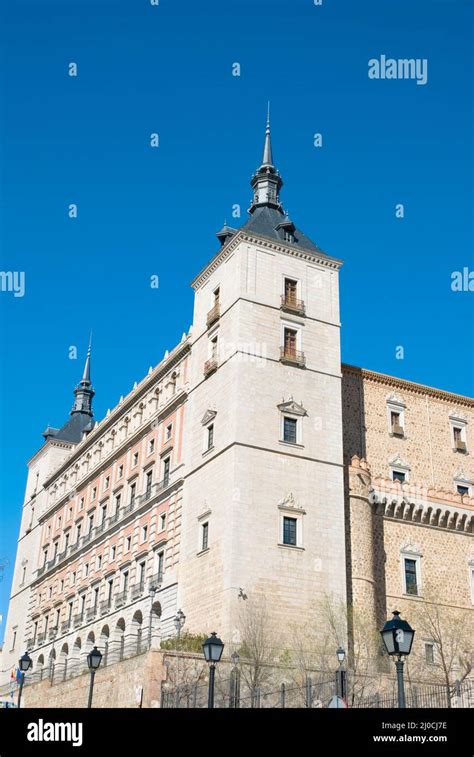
x: 120, y: 471
x: 81, y: 503
x: 94, y: 493
x: 110, y: 589
x: 61, y: 586
x: 149, y: 477
x: 66, y: 540
x: 462, y: 490
x: 55, y: 548
x: 289, y: 531
x: 86, y: 569
x: 128, y: 543
x: 133, y: 488
x: 210, y: 436
x: 214, y: 348
x: 135, y: 459
x: 125, y: 580
x: 45, y: 557
x: 104, y: 513
x: 166, y: 471
x: 161, y: 558
x: 205, y: 536
x: 13, y: 640
x: 290, y: 337
x: 396, y: 423
x: 112, y: 553
x: 411, y: 584
x: 151, y: 446
x: 117, y: 503
x: 73, y: 578
x: 398, y: 475
x: 217, y: 293
x: 91, y: 523
x: 144, y: 533
x: 290, y: 291
x: 96, y: 599
x: 142, y: 573
x: 69, y: 612
x: 429, y: 653
x: 99, y: 562
x: 162, y: 521
x: 289, y: 430
x: 35, y: 632
x: 106, y: 482
x: 169, y: 431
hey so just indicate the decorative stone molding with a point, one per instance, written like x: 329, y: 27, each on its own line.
x: 292, y: 407
x: 208, y: 416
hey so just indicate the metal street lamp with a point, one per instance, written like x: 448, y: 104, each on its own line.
x: 212, y: 648
x: 234, y: 680
x: 341, y: 680
x: 24, y: 663
x: 179, y: 621
x: 93, y: 661
x: 150, y: 628
x: 397, y: 636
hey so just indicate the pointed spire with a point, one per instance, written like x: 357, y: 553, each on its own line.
x: 267, y: 149
x: 86, y: 376
x: 84, y: 392
x: 266, y: 182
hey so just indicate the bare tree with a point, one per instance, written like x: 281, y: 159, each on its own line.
x: 257, y: 644
x: 447, y: 630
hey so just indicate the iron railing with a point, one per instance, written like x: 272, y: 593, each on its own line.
x: 292, y: 357
x: 292, y: 305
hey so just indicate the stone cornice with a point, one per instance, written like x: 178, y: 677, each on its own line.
x: 106, y: 423
x: 288, y: 249
x: 411, y: 386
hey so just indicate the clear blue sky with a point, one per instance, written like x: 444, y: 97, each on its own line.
x: 168, y: 69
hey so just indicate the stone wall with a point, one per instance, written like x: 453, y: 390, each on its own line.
x: 115, y: 685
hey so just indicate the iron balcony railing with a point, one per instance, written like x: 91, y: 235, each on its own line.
x: 114, y: 518
x: 210, y: 366
x: 41, y: 638
x: 30, y: 643
x: 213, y: 315
x: 105, y: 606
x: 292, y: 304
x: 91, y: 613
x: 156, y: 581
x: 292, y: 357
x: 53, y: 632
x: 137, y: 590
x: 77, y: 621
x: 66, y: 626
x: 121, y: 598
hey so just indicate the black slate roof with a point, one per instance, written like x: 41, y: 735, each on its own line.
x: 72, y: 430
x: 264, y: 221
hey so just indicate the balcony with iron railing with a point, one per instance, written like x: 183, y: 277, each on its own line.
x: 105, y: 606
x: 210, y: 366
x: 292, y: 357
x: 53, y: 632
x: 65, y: 626
x: 91, y: 613
x: 137, y: 590
x: 41, y: 638
x: 291, y: 304
x: 121, y: 598
x: 78, y: 620
x: 30, y: 643
x: 213, y: 315
x: 156, y: 581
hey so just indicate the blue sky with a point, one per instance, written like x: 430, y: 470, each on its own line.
x: 144, y: 211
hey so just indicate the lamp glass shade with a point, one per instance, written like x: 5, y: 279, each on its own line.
x: 213, y: 648
x: 94, y: 659
x: 341, y: 654
x: 397, y: 636
x: 25, y: 663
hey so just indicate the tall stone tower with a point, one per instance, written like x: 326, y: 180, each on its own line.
x: 263, y: 510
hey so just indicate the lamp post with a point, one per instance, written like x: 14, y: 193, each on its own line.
x: 24, y: 663
x: 212, y: 648
x: 150, y: 630
x: 93, y: 661
x: 234, y: 681
x: 397, y: 636
x: 179, y: 621
x: 341, y: 686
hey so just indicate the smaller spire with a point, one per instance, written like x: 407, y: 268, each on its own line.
x: 267, y: 149
x: 86, y: 376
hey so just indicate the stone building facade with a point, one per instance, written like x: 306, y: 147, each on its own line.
x: 248, y: 462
